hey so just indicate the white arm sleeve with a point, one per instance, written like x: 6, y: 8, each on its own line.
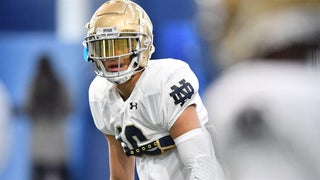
x: 196, y: 151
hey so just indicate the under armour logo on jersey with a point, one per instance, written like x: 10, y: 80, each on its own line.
x: 182, y: 93
x: 133, y: 105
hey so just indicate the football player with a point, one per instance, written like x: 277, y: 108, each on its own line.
x: 149, y: 110
x: 265, y: 105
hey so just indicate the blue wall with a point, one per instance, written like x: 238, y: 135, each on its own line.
x: 27, y: 15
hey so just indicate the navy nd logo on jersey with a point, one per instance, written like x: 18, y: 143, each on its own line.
x: 182, y: 93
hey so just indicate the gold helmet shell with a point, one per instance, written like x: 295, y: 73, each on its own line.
x: 116, y: 22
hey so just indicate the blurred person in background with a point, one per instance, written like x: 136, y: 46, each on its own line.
x: 265, y: 104
x: 150, y: 111
x: 5, y: 134
x: 48, y: 105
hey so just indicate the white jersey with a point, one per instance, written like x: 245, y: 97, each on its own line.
x: 267, y: 116
x: 164, y: 90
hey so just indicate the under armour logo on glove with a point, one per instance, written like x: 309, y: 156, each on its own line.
x: 182, y: 93
x: 133, y: 105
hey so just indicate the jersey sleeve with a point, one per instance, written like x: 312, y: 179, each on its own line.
x: 100, y: 110
x: 180, y: 90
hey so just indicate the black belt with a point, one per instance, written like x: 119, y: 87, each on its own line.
x: 156, y: 147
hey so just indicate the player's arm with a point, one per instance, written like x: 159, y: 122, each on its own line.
x: 187, y: 121
x: 194, y: 146
x: 121, y: 166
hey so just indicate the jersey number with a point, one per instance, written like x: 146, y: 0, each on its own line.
x: 133, y: 134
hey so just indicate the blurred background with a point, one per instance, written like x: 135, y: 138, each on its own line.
x: 42, y: 73
x: 265, y: 103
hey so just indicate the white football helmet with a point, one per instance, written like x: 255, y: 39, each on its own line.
x: 251, y: 29
x: 118, y: 29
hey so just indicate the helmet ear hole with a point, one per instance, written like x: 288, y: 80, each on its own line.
x: 152, y: 49
x: 147, y: 42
